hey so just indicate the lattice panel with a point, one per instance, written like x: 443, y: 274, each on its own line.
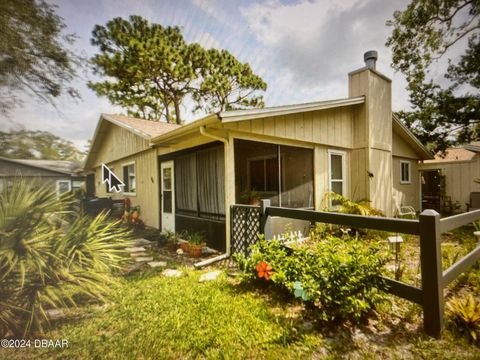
x: 245, y: 227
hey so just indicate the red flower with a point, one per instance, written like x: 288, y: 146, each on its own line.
x: 264, y: 270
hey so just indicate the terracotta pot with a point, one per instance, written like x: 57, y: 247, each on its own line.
x: 195, y: 250
x: 255, y: 201
x: 184, y: 246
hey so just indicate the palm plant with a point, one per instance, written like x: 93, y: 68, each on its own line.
x: 49, y: 255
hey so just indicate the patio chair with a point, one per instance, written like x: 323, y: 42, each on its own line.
x: 406, y: 211
x: 474, y: 203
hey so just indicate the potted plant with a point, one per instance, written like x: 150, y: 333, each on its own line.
x: 196, y: 244
x: 171, y: 239
x: 251, y: 197
x: 184, y: 244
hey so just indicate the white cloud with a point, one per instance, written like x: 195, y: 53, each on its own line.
x: 314, y: 44
x: 207, y: 40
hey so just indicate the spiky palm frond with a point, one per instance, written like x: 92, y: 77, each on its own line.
x: 48, y: 255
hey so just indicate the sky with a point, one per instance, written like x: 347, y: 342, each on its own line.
x: 302, y: 49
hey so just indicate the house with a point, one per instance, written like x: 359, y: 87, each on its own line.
x: 61, y: 175
x: 449, y: 179
x: 187, y: 177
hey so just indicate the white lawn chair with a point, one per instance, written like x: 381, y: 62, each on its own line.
x: 406, y: 211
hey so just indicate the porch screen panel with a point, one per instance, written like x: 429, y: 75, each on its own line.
x: 186, y: 183
x: 211, y: 180
x: 296, y: 177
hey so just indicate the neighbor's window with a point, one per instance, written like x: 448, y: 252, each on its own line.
x: 405, y: 172
x: 337, y: 172
x: 63, y: 186
x: 129, y: 178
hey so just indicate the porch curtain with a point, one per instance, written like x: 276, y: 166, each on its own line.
x: 211, y: 181
x: 186, y: 183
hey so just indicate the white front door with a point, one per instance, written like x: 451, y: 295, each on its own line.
x: 168, y: 196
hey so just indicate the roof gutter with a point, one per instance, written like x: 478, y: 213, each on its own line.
x: 227, y: 254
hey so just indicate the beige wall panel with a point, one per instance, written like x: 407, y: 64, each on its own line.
x: 146, y: 173
x: 359, y: 188
x: 459, y: 178
x: 119, y: 143
x: 245, y: 126
x: 381, y: 183
x: 268, y: 126
x: 406, y: 194
x: 401, y: 148
x: 328, y: 127
x: 320, y: 164
x: 308, y: 126
x: 280, y: 126
x: 257, y: 126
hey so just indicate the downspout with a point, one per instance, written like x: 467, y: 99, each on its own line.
x: 227, y: 254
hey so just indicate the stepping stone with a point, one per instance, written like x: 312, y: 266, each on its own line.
x: 54, y: 314
x: 143, y: 259
x: 136, y: 249
x: 142, y: 242
x: 171, y: 273
x: 139, y: 254
x: 209, y: 276
x: 154, y: 264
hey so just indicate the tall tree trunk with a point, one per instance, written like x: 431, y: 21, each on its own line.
x: 178, y: 118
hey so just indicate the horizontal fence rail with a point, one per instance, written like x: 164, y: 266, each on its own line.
x: 461, y: 266
x: 453, y: 222
x: 358, y: 221
x: 404, y: 291
x: 429, y: 227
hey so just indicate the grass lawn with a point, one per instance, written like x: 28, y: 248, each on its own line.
x: 153, y: 317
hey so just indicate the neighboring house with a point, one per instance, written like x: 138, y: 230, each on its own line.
x: 61, y: 175
x: 187, y: 177
x: 451, y: 176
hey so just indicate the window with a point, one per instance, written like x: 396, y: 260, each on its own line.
x: 282, y: 174
x: 336, y: 173
x: 63, y: 186
x: 129, y: 178
x: 263, y: 174
x: 405, y: 172
x: 200, y: 183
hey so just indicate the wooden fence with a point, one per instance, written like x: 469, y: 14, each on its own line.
x: 429, y: 227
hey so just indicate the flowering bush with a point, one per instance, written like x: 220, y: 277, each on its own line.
x: 340, y: 277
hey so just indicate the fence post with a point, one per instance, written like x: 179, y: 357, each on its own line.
x: 263, y: 214
x: 431, y: 268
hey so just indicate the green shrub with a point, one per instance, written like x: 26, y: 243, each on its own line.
x: 48, y: 256
x: 465, y: 313
x: 340, y: 277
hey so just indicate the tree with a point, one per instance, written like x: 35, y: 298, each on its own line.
x: 28, y: 144
x: 422, y: 34
x: 228, y: 84
x: 33, y: 53
x: 154, y: 70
